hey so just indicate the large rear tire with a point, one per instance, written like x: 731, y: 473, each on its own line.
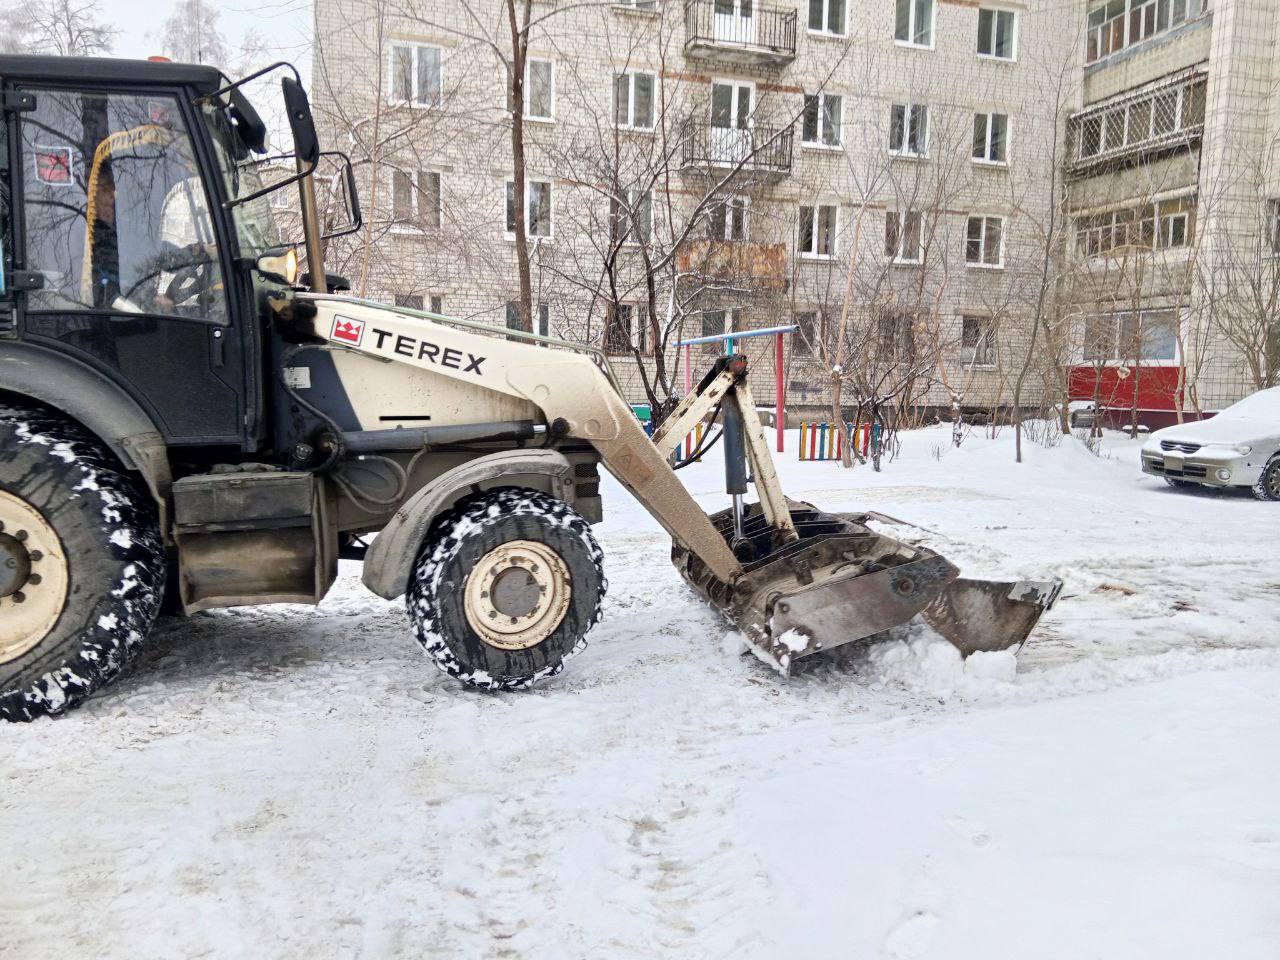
x: 506, y: 589
x: 81, y: 565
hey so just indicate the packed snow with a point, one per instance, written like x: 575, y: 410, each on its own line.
x: 285, y: 782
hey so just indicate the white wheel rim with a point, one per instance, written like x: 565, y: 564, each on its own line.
x: 35, y: 577
x: 517, y: 595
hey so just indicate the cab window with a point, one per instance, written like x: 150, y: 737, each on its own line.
x: 116, y: 217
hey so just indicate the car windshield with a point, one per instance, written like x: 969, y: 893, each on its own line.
x: 1263, y: 405
x: 255, y: 223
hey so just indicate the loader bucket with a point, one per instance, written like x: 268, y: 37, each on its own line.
x: 842, y: 581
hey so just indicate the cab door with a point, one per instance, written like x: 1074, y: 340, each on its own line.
x: 118, y: 232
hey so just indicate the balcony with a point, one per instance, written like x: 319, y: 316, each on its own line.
x: 1160, y: 118
x: 741, y: 263
x: 760, y: 151
x: 739, y: 32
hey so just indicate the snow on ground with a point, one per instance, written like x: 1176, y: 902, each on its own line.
x: 288, y: 782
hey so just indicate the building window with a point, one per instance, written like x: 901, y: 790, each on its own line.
x: 1273, y: 226
x: 913, y: 23
x: 1149, y: 336
x: 417, y: 74
x: 727, y: 219
x: 633, y: 224
x: 991, y: 137
x: 409, y: 301
x: 822, y: 115
x: 997, y: 34
x: 437, y: 303
x: 807, y: 340
x: 1113, y: 25
x: 539, y: 89
x: 633, y: 95
x: 895, y: 337
x: 1164, y: 225
x: 827, y: 16
x: 537, y: 209
x: 279, y: 199
x: 649, y: 5
x: 625, y: 328
x: 714, y: 324
x: 984, y: 241
x: 542, y: 314
x: 909, y: 130
x: 416, y: 200
x: 818, y: 231
x: 903, y: 237
x: 977, y: 342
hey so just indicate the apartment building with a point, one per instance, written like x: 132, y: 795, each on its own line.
x: 887, y: 168
x: 1174, y: 196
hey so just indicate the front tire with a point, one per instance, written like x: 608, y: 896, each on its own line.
x: 506, y: 589
x: 1268, y: 485
x: 81, y: 565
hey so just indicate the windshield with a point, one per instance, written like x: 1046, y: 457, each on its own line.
x: 1263, y: 405
x: 255, y: 223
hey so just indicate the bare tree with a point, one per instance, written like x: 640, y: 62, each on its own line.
x: 69, y: 28
x: 191, y: 34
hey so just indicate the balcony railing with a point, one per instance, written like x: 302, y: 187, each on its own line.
x: 1156, y: 119
x: 759, y: 149
x: 739, y: 31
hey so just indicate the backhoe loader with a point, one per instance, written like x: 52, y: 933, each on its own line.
x: 189, y: 405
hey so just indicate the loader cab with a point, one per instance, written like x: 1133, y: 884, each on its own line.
x: 135, y: 229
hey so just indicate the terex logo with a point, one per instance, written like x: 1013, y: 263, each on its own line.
x: 348, y: 331
x: 416, y: 349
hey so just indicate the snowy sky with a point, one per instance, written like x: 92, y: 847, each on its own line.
x: 285, y: 24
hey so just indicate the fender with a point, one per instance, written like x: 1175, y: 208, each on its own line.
x: 389, y: 562
x: 97, y: 404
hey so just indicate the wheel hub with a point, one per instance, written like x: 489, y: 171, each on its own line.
x: 33, y: 577
x: 517, y: 594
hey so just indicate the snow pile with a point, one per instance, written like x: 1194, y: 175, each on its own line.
x: 923, y: 662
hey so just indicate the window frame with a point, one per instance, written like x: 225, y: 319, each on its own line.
x: 726, y: 204
x: 986, y: 333
x: 416, y: 46
x: 815, y: 209
x: 911, y: 25
x: 986, y: 160
x: 415, y: 225
x: 826, y: 19
x: 619, y: 217
x: 509, y: 185
x: 911, y: 112
x: 1118, y: 355
x: 982, y: 263
x: 820, y: 100
x: 995, y: 19
x: 550, y: 116
x: 631, y: 74
x: 637, y: 332
x: 896, y: 255
x: 1122, y: 24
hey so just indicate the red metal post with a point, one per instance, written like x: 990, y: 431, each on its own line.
x: 688, y: 389
x: 779, y: 407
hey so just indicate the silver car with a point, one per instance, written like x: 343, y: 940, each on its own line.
x: 1240, y: 447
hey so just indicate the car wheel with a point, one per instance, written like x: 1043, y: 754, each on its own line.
x: 1268, y: 485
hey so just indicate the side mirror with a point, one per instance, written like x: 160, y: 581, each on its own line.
x: 250, y: 129
x: 341, y: 201
x: 305, y: 142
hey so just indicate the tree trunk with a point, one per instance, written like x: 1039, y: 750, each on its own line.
x: 519, y: 47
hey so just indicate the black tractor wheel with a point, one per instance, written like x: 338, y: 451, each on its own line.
x: 506, y: 589
x: 1268, y: 485
x: 81, y: 565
